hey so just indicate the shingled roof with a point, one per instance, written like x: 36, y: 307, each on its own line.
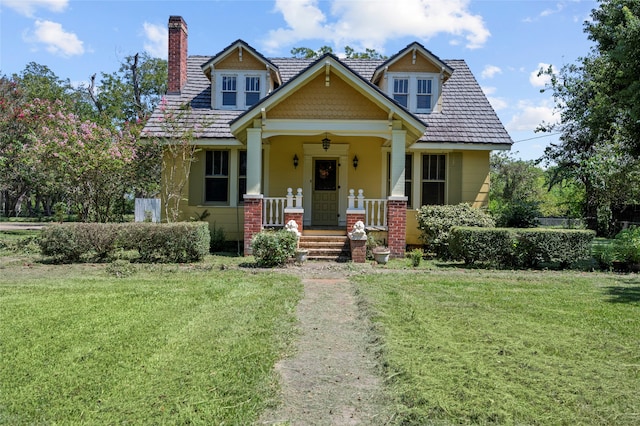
x: 466, y: 117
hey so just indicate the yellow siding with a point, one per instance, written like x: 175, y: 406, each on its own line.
x: 413, y: 233
x: 474, y: 186
x: 475, y: 178
x: 405, y: 64
x: 339, y: 101
x: 232, y: 62
x: 283, y: 175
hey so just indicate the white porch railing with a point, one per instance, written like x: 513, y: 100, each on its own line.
x: 273, y: 207
x: 375, y: 209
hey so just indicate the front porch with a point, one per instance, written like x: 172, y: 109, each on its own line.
x: 382, y: 216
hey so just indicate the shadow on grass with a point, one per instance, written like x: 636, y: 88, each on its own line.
x: 624, y: 294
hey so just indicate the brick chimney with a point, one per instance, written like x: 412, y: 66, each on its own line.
x: 177, y: 63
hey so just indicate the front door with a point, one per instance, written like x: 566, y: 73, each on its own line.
x: 324, y: 209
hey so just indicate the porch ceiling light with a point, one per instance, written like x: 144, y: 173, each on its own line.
x: 295, y: 161
x: 355, y: 161
x: 326, y: 142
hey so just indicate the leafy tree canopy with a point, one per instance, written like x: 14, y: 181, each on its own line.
x: 350, y: 53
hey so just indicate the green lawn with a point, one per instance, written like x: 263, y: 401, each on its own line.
x: 166, y: 345
x: 471, y: 346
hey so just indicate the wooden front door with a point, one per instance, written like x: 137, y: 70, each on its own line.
x: 324, y: 209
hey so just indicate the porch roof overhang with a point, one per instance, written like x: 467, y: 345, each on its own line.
x: 398, y: 117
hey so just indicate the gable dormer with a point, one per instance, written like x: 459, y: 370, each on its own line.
x: 414, y: 78
x: 240, y: 77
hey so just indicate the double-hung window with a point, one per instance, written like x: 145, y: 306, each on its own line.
x: 401, y: 91
x: 433, y: 178
x: 242, y: 175
x: 216, y: 177
x: 423, y: 95
x: 229, y: 90
x: 252, y: 91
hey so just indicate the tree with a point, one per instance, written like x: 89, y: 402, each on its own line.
x: 76, y: 160
x: 516, y: 192
x: 350, y: 53
x: 131, y: 93
x: 598, y: 99
x: 367, y: 54
x: 615, y: 28
x: 177, y: 147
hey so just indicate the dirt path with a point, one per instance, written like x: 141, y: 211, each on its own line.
x: 331, y: 379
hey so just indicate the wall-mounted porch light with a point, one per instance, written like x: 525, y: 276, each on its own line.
x: 326, y: 142
x: 295, y: 161
x: 355, y: 161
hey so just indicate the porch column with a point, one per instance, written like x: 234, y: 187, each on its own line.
x: 254, y: 161
x: 397, y: 162
x: 397, y: 201
x: 253, y: 197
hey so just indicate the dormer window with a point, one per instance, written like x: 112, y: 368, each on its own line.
x: 229, y: 90
x: 416, y: 92
x: 401, y: 91
x: 239, y: 90
x: 423, y: 96
x: 252, y: 91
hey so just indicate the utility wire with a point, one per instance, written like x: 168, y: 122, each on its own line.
x: 538, y: 137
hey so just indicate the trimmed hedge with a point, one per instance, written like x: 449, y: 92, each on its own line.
x: 520, y: 247
x: 435, y: 223
x: 168, y: 242
x: 481, y: 245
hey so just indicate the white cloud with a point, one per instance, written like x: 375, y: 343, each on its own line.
x: 496, y: 102
x: 559, y: 8
x: 156, y: 43
x: 530, y: 116
x: 56, y: 40
x: 540, y: 80
x: 29, y: 7
x: 369, y: 26
x: 490, y: 71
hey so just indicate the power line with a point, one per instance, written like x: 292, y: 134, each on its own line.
x: 538, y: 137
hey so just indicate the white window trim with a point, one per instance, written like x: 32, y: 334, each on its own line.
x: 412, y: 104
x: 241, y: 82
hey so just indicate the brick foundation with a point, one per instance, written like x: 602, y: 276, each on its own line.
x: 252, y: 220
x: 397, y: 223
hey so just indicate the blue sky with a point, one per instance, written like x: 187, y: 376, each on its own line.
x: 504, y: 42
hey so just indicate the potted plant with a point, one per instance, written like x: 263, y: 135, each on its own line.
x: 301, y: 255
x: 381, y: 254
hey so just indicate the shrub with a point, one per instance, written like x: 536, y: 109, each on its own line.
x: 521, y: 247
x: 416, y: 257
x: 489, y: 245
x: 176, y: 242
x: 518, y: 214
x: 273, y: 248
x: 626, y: 246
x: 605, y: 255
x: 436, y: 222
x: 218, y: 239
x: 61, y: 243
x: 563, y: 246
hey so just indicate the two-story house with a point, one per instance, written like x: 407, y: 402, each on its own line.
x: 345, y: 139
